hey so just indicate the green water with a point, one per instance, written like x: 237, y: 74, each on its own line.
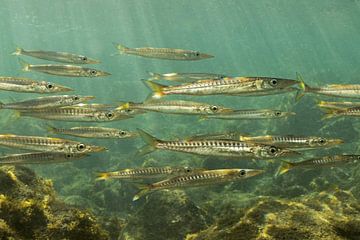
x: 319, y: 39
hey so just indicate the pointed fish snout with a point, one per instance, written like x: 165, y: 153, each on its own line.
x: 255, y: 172
x: 205, y: 55
x: 289, y: 153
x: 98, y: 149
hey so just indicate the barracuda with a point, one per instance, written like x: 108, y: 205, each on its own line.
x: 224, y: 148
x: 40, y: 158
x: 27, y: 85
x: 185, y: 77
x: 202, y: 178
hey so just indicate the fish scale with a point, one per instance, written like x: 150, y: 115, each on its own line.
x: 39, y: 157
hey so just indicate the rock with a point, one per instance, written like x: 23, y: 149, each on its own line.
x: 324, y: 216
x: 165, y: 215
x: 29, y: 209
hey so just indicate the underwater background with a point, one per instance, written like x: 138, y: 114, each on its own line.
x: 278, y: 38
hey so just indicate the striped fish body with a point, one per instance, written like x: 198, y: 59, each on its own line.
x: 67, y: 70
x: 354, y: 111
x: 207, y: 177
x: 143, y: 173
x: 76, y: 114
x: 252, y: 114
x: 45, y: 144
x: 30, y: 86
x: 327, y: 161
x: 94, y: 132
x: 186, y: 77
x: 63, y: 57
x: 39, y: 158
x: 164, y: 53
x: 337, y: 90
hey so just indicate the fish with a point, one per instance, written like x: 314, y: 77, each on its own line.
x: 290, y: 141
x: 143, y: 173
x: 251, y: 114
x: 26, y: 85
x: 177, y: 107
x: 341, y: 112
x: 92, y: 105
x: 223, y: 148
x: 46, y: 102
x: 333, y: 90
x: 286, y: 141
x: 163, y: 53
x: 324, y: 104
x: 77, y: 114
x: 63, y: 70
x: 318, y: 162
x: 240, y: 86
x: 45, y: 144
x: 63, y: 57
x: 93, y: 132
x: 40, y: 158
x: 201, y: 178
x: 185, y: 77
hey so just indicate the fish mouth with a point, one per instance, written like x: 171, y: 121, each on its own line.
x: 288, y: 153
x: 98, y: 149
x: 204, y: 55
x: 287, y: 114
x: 335, y: 141
x: 104, y: 74
x: 87, y: 98
x: 254, y: 172
x: 93, y: 61
x: 65, y: 89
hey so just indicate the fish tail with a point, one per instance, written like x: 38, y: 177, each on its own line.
x: 144, y: 190
x: 151, y: 143
x: 303, y: 87
x: 158, y: 89
x: 25, y: 66
x: 50, y: 128
x: 1, y: 105
x: 122, y: 49
x: 284, y: 167
x: 154, y: 76
x: 18, y: 51
x: 329, y: 113
x: 102, y: 176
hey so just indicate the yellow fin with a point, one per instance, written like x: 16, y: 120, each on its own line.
x: 284, y: 168
x: 156, y: 88
x: 18, y: 51
x: 144, y: 189
x: 25, y: 66
x: 102, y: 176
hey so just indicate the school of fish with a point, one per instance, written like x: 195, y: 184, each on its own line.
x: 229, y: 145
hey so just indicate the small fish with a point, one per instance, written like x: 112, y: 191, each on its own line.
x: 142, y: 173
x: 341, y: 112
x: 202, y: 178
x: 251, y: 114
x: 241, y: 86
x: 318, y: 162
x: 46, y: 102
x: 290, y: 141
x: 63, y: 57
x: 325, y: 104
x: 333, y: 90
x: 92, y: 105
x: 40, y: 158
x: 224, y: 148
x: 178, y: 107
x: 27, y: 85
x: 77, y: 114
x: 45, y: 144
x: 93, y: 132
x: 63, y: 70
x: 185, y: 77
x: 163, y: 53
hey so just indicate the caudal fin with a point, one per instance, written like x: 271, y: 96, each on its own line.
x: 51, y: 129
x: 1, y: 105
x: 157, y: 89
x: 102, y: 176
x: 144, y: 189
x: 330, y: 113
x: 284, y: 167
x: 151, y: 143
x: 154, y: 76
x: 24, y: 65
x: 18, y: 51
x: 122, y: 49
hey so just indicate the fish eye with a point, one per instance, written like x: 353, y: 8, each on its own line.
x: 242, y: 172
x: 49, y: 86
x: 109, y: 114
x: 197, y: 54
x: 122, y: 133
x: 358, y: 157
x: 277, y: 113
x: 273, y: 82
x: 273, y: 150
x: 93, y: 72
x: 214, y: 108
x: 128, y: 110
x: 188, y: 170
x: 76, y: 98
x: 322, y: 141
x: 81, y: 147
x: 68, y: 156
x: 84, y: 58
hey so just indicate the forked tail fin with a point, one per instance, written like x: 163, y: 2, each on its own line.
x: 284, y: 167
x: 157, y: 89
x: 151, y: 143
x: 24, y: 65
